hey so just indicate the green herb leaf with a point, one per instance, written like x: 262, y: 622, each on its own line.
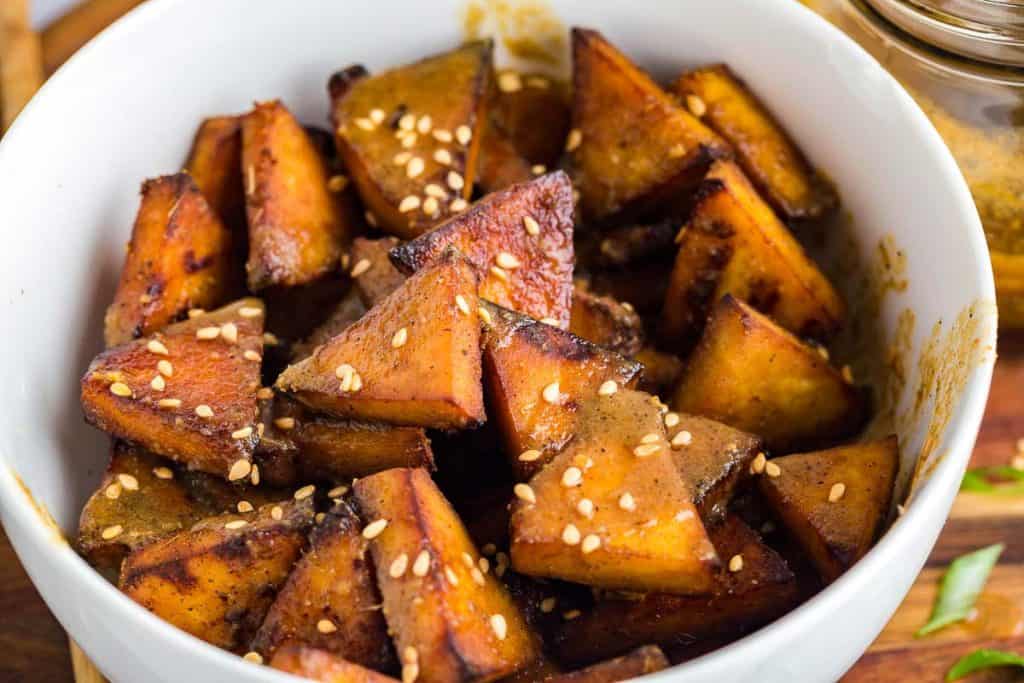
x: 983, y: 659
x: 998, y: 481
x: 960, y: 587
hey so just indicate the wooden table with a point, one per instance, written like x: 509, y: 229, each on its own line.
x: 35, y: 647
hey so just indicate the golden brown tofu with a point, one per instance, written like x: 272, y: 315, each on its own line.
x: 374, y: 275
x: 762, y: 589
x: 500, y: 163
x: 338, y: 450
x: 298, y: 227
x: 350, y: 309
x: 611, y: 510
x: 519, y: 102
x: 644, y: 660
x: 215, y: 164
x: 413, y: 132
x: 834, y: 502
x: 188, y: 392
x: 734, y: 244
x: 217, y: 580
x: 450, y: 620
x: 526, y: 363
x: 660, y: 371
x: 323, y: 666
x: 753, y: 375
x: 330, y: 601
x: 412, y: 360
x: 179, y: 258
x: 605, y: 321
x: 762, y: 146
x: 519, y: 239
x: 632, y: 146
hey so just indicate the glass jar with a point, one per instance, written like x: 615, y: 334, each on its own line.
x: 963, y: 61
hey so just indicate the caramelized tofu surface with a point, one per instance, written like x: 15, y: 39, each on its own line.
x: 330, y: 600
x: 762, y: 146
x: 734, y: 244
x: 323, y: 666
x: 409, y: 128
x: 643, y: 660
x: 500, y: 163
x: 632, y: 146
x: 217, y: 580
x: 298, y: 228
x: 519, y: 102
x: 215, y: 164
x: 605, y: 321
x: 179, y: 257
x: 372, y: 272
x: 660, y: 371
x: 188, y: 392
x: 834, y: 502
x: 450, y: 620
x: 338, y: 450
x: 519, y: 240
x: 753, y: 375
x: 413, y: 360
x: 525, y: 359
x: 350, y: 309
x: 611, y: 510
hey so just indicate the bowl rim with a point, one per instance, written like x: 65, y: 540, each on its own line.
x: 17, y: 507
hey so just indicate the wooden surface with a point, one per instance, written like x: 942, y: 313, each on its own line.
x: 35, y: 649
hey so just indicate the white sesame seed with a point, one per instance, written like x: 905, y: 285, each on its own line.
x: 365, y: 124
x: 435, y: 190
x: 337, y: 183
x: 758, y: 463
x: 646, y: 449
x: 424, y: 124
x: 455, y: 180
x: 305, y: 492
x: 460, y: 302
x: 736, y: 563
x: 463, y: 134
x: 276, y: 513
x: 547, y: 605
x: 552, y: 394
x: 573, y: 140
x: 531, y: 226
x: 591, y: 543
x: 361, y: 266
x: 113, y: 491
x: 399, y: 339
x: 155, y: 346
x: 207, y: 333
x: 158, y: 383
x: 431, y: 206
x: 244, y: 506
x: 112, y: 532
x: 650, y: 438
x: 510, y: 82
x: 254, y: 476
x: 250, y: 184
x: 236, y: 524
x: 572, y: 476
x: 410, y: 672
x: 671, y: 419
x: 229, y: 332
x: 676, y: 152
x: 401, y: 159
x: 204, y: 411
x: 507, y: 261
x: 129, y: 482
x: 251, y: 355
x: 538, y: 169
x: 409, y: 140
x: 442, y: 135
x: 626, y: 501
x: 499, y: 273
x: 240, y: 469
x: 696, y: 105
x: 414, y: 167
x: 458, y: 204
x: 120, y: 389
x: 524, y: 492
x: 337, y: 492
x: 499, y: 626
x: 483, y: 562
x: 607, y: 388
x: 683, y: 438
x: 570, y: 535
x: 370, y: 218
x: 585, y: 507
x: 195, y: 313
x: 550, y: 321
x: 478, y: 576
x: 410, y: 203
x: 836, y: 493
x: 377, y: 116
x: 410, y: 654
x: 772, y: 470
x: 407, y: 122
x: 422, y: 564
x: 374, y: 529
x: 254, y: 657
x: 163, y: 473
x: 484, y: 314
x: 265, y: 393
x: 165, y: 368
x: 452, y: 577
x: 326, y: 626
x: 285, y: 423
x: 529, y: 456
x: 169, y: 403
x: 444, y: 157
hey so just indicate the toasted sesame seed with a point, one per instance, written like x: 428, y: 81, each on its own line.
x: 365, y: 124
x: 112, y: 532
x: 671, y: 419
x: 510, y: 82
x: 467, y: 559
x: 477, y: 576
x: 570, y: 535
x: 626, y: 501
x: 410, y: 654
x: 489, y: 549
x: 337, y: 183
x: 361, y: 266
x: 425, y: 124
x: 460, y: 302
x: 524, y: 492
x: 207, y: 333
x: 547, y: 605
x: 276, y: 513
x: 847, y: 373
x: 550, y: 321
x: 399, y: 339
x: 735, y: 563
x: 823, y: 352
x: 422, y: 564
x: 285, y: 423
x: 155, y: 346
x: 531, y: 226
x: 591, y: 543
x: 374, y: 529
x: 337, y: 492
x: 410, y: 672
x: 265, y: 393
x: 254, y: 476
x: 236, y: 524
x: 240, y: 469
x: 344, y: 371
x: 507, y: 261
x: 644, y: 450
x: 158, y: 383
x: 442, y: 135
x: 370, y: 218
x: 696, y: 105
x: 463, y: 134
x: 407, y: 122
x: 410, y: 203
x: 458, y: 204
x: 573, y: 140
x: 758, y: 463
x: 229, y: 332
x: 401, y: 159
x: 499, y: 626
x: 572, y: 476
x: 585, y: 507
x: 444, y: 157
x: 529, y: 456
x: 836, y: 493
x: 499, y: 273
x: 772, y: 470
x: 254, y: 657
x: 260, y: 428
x: 204, y: 411
x: 431, y: 206
x: 244, y: 506
x: 652, y: 437
x: 251, y: 355
x: 195, y: 313
x: 483, y: 562
x: 452, y: 577
x: 169, y: 403
x: 377, y: 116
x: 683, y: 438
x: 305, y: 492
x: 129, y: 482
x: 552, y: 394
x: 326, y: 626
x: 120, y: 389
x: 676, y: 151
x: 607, y: 388
x: 435, y: 190
x: 484, y: 314
x: 270, y: 339
x: 455, y: 180
x: 414, y: 167
x: 165, y: 368
x: 357, y: 381
x: 113, y: 491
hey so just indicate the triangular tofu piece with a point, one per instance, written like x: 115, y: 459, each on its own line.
x: 519, y: 239
x: 753, y: 375
x: 611, y: 510
x: 323, y: 666
x: 298, y: 227
x: 450, y: 619
x: 179, y: 258
x: 215, y: 163
x: 373, y: 274
x: 733, y: 243
x: 410, y: 136
x: 217, y: 580
x: 632, y: 146
x: 412, y: 360
x: 536, y: 376
x: 187, y: 392
x: 330, y: 600
x: 834, y: 502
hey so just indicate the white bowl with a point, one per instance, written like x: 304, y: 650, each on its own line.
x: 126, y: 106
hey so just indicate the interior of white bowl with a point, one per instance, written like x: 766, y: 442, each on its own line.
x: 911, y: 250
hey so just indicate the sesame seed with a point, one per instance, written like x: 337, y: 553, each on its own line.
x: 735, y: 563
x: 442, y: 135
x: 591, y: 543
x: 240, y: 469
x: 229, y: 332
x: 485, y: 315
x: 374, y: 529
x: 507, y: 261
x: 326, y: 626
x: 653, y: 437
x: 431, y: 206
x: 155, y: 346
x: 455, y: 180
x: 252, y: 355
x: 158, y: 383
x: 337, y: 183
x: 823, y: 352
x: 452, y: 577
x: 683, y: 515
x: 337, y: 492
x: 112, y: 532
x: 407, y: 122
x: 370, y: 218
x: 524, y: 492
x: 531, y: 226
x: 552, y: 393
x: 260, y: 428
x: 510, y: 82
x: 489, y: 549
x: 626, y: 501
x: 250, y: 179
x: 168, y: 403
x: 357, y: 382
x: 607, y: 388
x: 120, y: 389
x: 671, y: 419
x: 400, y: 338
x: 377, y: 116
x: 696, y: 105
x: 467, y: 559
x: 410, y: 203
x: 529, y: 456
x: 113, y: 492
x: 478, y: 576
x: 463, y: 134
x: 836, y: 493
x: 772, y: 470
x: 460, y: 302
x: 244, y: 506
x: 270, y: 339
x: 207, y: 333
x: 254, y: 476
x: 276, y: 512
x: 265, y: 393
x: 410, y: 672
x: 254, y: 657
x: 683, y: 438
x: 422, y: 564
x: 165, y: 368
x: 236, y: 524
x: 204, y: 411
x: 458, y: 204
x: 435, y: 190
x: 550, y: 321
x: 547, y: 605
x: 572, y: 476
x: 483, y: 562
x: 414, y: 167
x: 365, y: 124
x: 538, y: 169
x: 285, y: 423
x: 195, y: 313
x: 585, y: 507
x: 129, y: 482
x: 305, y: 492
x: 443, y: 156
x: 425, y: 124
x: 847, y: 373
x: 361, y: 266
x: 758, y: 463
x: 646, y: 449
x: 570, y: 535
x: 410, y: 654
x: 573, y: 140
x: 676, y: 151
x: 401, y: 159
x: 499, y: 626
x: 499, y: 273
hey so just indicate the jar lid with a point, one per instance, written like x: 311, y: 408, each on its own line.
x: 986, y: 30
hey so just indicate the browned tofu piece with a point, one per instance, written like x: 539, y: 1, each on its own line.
x: 215, y: 164
x: 762, y: 590
x: 217, y: 580
x: 188, y: 392
x: 762, y: 146
x: 323, y: 666
x: 644, y: 660
x: 632, y: 146
x: 519, y: 239
x: 500, y: 163
x: 414, y: 359
x: 753, y: 375
x: 519, y: 103
x: 660, y: 371
x: 372, y: 271
x: 712, y: 458
x: 834, y: 502
x: 605, y: 321
x: 179, y: 258
x: 734, y: 244
x: 338, y: 450
x: 611, y: 510
x: 413, y: 132
x: 450, y: 621
x: 526, y: 362
x: 350, y: 309
x: 330, y: 600
x: 298, y: 227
